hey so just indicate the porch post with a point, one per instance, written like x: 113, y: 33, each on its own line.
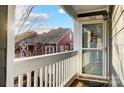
x: 77, y: 35
x: 10, y: 46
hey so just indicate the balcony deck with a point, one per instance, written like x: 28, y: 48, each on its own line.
x: 89, y: 82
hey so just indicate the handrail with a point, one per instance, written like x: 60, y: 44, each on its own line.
x: 46, y: 55
x: 27, y: 64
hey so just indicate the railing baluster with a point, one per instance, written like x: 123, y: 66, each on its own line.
x: 53, y: 75
x: 64, y: 71
x: 41, y: 77
x: 72, y: 69
x: 74, y: 65
x: 20, y: 81
x: 71, y: 62
x: 50, y: 76
x: 71, y: 66
x: 46, y: 76
x: 57, y: 74
x: 62, y: 74
x: 29, y: 79
x: 35, y: 78
x: 69, y: 69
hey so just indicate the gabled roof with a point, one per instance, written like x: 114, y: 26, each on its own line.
x: 24, y: 36
x: 52, y: 36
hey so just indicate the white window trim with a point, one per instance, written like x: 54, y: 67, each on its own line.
x: 103, y: 48
x: 49, y: 49
x: 53, y: 51
x: 61, y: 48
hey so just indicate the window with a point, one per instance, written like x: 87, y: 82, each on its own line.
x: 46, y: 49
x: 61, y: 48
x: 92, y: 35
x: 66, y: 48
x: 49, y: 49
x: 93, y: 53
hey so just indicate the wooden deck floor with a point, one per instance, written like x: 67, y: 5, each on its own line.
x: 86, y: 83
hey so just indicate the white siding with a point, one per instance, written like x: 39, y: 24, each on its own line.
x: 118, y: 46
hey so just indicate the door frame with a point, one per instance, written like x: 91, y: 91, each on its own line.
x: 105, y: 60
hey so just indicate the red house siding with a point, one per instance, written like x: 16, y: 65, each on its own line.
x: 65, y: 41
x: 41, y: 48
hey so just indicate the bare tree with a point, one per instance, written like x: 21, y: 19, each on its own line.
x: 24, y: 18
x: 25, y: 23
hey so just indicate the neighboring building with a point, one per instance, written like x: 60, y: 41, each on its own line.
x: 19, y: 45
x: 56, y: 40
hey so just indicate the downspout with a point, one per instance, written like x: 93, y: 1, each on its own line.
x: 110, y: 45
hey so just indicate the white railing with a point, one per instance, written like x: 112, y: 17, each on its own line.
x: 52, y: 70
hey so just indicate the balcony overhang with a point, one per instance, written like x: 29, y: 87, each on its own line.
x: 78, y: 11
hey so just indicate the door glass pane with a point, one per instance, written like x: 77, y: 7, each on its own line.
x: 92, y: 40
x: 92, y: 62
x: 92, y: 35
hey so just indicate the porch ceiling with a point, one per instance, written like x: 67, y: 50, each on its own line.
x: 88, y: 8
x: 73, y: 10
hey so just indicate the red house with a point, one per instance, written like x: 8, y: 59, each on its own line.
x: 56, y: 40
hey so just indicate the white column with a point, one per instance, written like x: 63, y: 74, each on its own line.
x: 77, y: 35
x: 10, y: 46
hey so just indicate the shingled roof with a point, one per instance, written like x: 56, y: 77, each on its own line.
x: 24, y: 36
x: 51, y: 37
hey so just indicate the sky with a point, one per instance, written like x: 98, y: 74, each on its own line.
x: 46, y: 17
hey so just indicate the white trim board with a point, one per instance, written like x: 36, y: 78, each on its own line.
x: 103, y: 48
